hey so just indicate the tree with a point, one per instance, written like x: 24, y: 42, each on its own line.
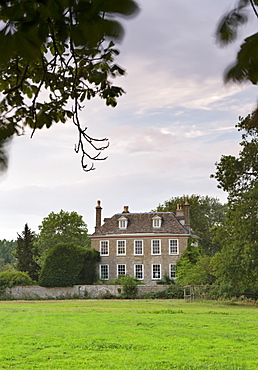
x: 205, y: 213
x: 7, y: 251
x: 194, y: 268
x: 237, y: 263
x: 55, y: 55
x: 62, y: 227
x: 26, y: 253
x: 237, y: 175
x: 200, y: 273
x: 67, y: 264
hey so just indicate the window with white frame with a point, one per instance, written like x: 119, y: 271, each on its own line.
x: 104, y: 272
x: 155, y: 246
x: 156, y: 271
x: 156, y: 222
x: 122, y: 222
x: 173, y: 246
x: 121, y: 247
x: 104, y: 247
x: 121, y: 270
x: 138, y: 247
x: 138, y: 271
x: 172, y: 271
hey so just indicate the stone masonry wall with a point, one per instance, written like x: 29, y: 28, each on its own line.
x: 147, y: 259
x: 91, y: 291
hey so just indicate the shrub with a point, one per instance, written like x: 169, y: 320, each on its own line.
x: 108, y: 295
x: 88, y: 273
x: 67, y: 264
x: 173, y: 291
x: 8, y: 279
x: 166, y: 280
x: 129, y: 285
x: 220, y: 291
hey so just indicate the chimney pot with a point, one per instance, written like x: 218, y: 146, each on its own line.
x: 126, y: 209
x: 179, y: 210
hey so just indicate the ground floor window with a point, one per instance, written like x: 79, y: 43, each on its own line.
x: 121, y: 270
x: 104, y: 272
x: 172, y: 270
x: 156, y: 271
x: 138, y: 272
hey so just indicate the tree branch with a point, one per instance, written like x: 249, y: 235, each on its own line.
x: 19, y: 85
x: 254, y: 9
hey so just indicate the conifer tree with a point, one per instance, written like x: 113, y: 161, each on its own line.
x: 26, y: 253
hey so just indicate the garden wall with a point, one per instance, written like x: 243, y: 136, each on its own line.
x: 91, y: 291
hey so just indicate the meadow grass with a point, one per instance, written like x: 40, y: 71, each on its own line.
x: 128, y: 334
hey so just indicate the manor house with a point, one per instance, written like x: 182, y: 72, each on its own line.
x: 144, y: 245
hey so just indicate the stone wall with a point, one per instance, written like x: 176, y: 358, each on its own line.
x: 90, y: 291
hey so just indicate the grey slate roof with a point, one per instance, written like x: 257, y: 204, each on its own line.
x: 142, y: 223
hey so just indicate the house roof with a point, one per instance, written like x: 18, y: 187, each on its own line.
x: 141, y: 223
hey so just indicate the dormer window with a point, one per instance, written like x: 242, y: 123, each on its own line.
x: 156, y: 222
x: 122, y: 223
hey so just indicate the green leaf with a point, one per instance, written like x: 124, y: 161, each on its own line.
x: 246, y: 66
x: 7, y: 47
x: 228, y: 25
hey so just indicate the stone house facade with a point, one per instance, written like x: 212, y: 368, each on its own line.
x: 143, y: 245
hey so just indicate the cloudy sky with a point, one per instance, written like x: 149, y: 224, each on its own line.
x: 175, y: 121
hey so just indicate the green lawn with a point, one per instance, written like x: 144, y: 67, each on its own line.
x: 132, y: 334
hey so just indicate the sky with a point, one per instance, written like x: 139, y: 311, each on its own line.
x: 175, y: 121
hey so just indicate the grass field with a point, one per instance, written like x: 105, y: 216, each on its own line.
x: 132, y: 334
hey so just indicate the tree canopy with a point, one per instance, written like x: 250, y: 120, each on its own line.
x: 7, y: 258
x: 239, y: 174
x: 237, y: 263
x: 54, y: 56
x: 205, y: 213
x: 62, y: 227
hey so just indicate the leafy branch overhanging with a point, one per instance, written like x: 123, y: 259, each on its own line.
x: 55, y: 55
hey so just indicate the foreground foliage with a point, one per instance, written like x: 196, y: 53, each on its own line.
x: 55, y: 55
x: 130, y: 335
x: 245, y: 66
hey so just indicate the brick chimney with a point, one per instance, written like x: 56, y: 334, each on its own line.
x: 126, y: 209
x: 187, y: 214
x: 98, y: 215
x: 179, y: 210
